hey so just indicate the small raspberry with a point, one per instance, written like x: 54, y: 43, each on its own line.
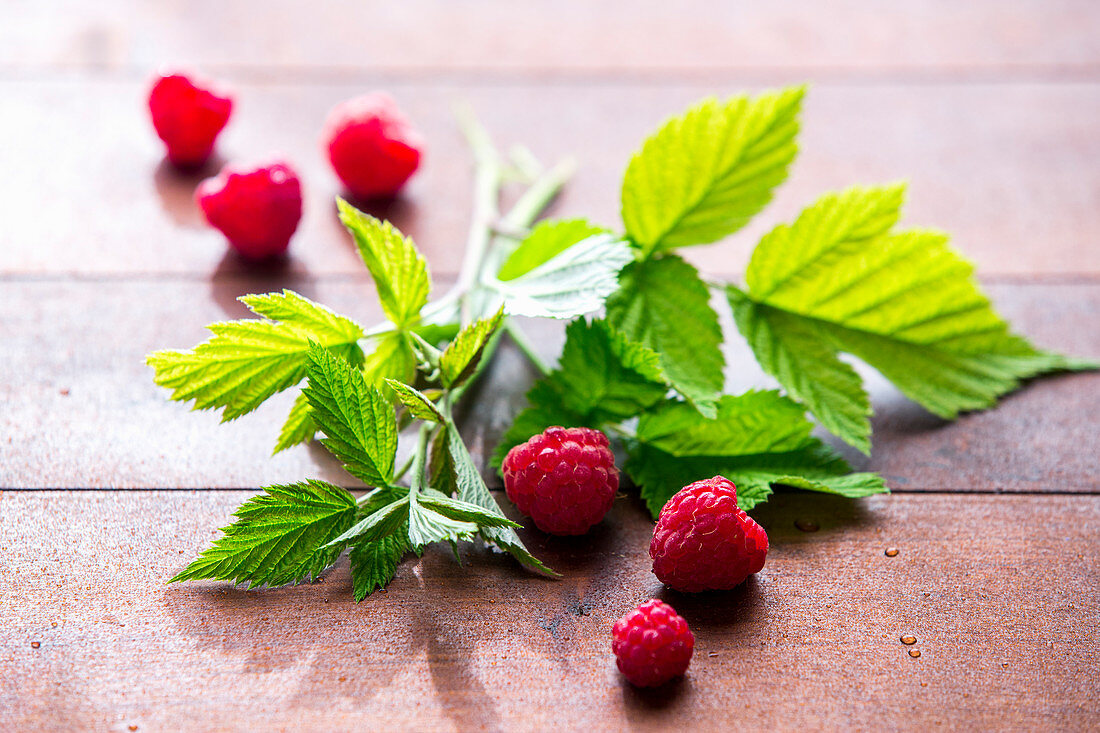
x: 257, y: 209
x: 565, y: 479
x: 652, y: 644
x: 188, y: 117
x: 703, y: 541
x: 371, y: 145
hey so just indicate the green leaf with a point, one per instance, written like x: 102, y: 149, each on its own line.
x: 299, y: 426
x: 247, y: 361
x: 379, y: 522
x: 704, y: 174
x: 392, y: 358
x: 460, y: 359
x: 416, y: 401
x: 905, y: 303
x: 373, y: 564
x: 664, y: 305
x: 572, y: 283
x: 281, y: 536
x: 427, y: 526
x: 463, y: 511
x: 755, y: 422
x: 400, y: 272
x: 472, y: 489
x: 358, y: 420
x: 546, y: 241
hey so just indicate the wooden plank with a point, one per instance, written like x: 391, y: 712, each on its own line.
x: 1005, y: 168
x: 80, y: 408
x: 571, y: 38
x: 1001, y: 595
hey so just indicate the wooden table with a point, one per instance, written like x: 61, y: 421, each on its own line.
x: 990, y: 109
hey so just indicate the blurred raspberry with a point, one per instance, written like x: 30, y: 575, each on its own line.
x: 188, y: 117
x: 703, y: 541
x: 257, y: 209
x: 565, y: 479
x: 371, y: 145
x: 652, y: 644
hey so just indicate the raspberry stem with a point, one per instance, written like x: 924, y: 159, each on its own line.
x: 519, y: 338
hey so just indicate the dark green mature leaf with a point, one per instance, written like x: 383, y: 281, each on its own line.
x: 460, y: 359
x: 399, y: 271
x: 358, y: 420
x: 664, y: 305
x: 281, y: 536
x: 373, y: 564
x: 704, y: 174
x: 546, y: 241
x: 247, y: 361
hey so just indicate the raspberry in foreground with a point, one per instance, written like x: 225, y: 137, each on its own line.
x: 564, y: 478
x: 703, y: 541
x: 257, y: 209
x: 371, y: 145
x: 652, y: 644
x: 188, y: 117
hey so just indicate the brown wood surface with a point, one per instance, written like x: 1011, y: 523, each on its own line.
x: 991, y: 111
x: 1001, y: 593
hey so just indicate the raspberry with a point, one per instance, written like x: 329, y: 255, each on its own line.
x: 652, y: 644
x: 704, y: 542
x: 188, y: 117
x: 565, y: 479
x: 371, y: 145
x: 257, y: 209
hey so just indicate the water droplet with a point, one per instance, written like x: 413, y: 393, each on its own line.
x: 891, y: 552
x: 1004, y: 665
x: 807, y: 525
x: 712, y: 654
x: 35, y: 644
x: 908, y: 640
x: 914, y: 653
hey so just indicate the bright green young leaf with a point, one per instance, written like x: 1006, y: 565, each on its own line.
x: 461, y: 357
x: 663, y: 305
x: 427, y: 526
x: 415, y: 401
x: 574, y: 282
x: 373, y: 564
x: 472, y: 489
x: 281, y: 536
x: 704, y: 174
x: 546, y: 241
x: 299, y: 426
x: 905, y: 303
x: 392, y: 358
x: 400, y: 272
x: 247, y: 361
x: 358, y: 420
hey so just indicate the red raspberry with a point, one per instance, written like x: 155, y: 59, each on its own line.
x: 188, y: 117
x: 652, y: 644
x: 371, y: 145
x: 257, y: 209
x: 704, y: 542
x: 565, y: 479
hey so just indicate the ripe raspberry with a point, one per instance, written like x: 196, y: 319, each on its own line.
x: 188, y: 117
x: 652, y: 644
x: 704, y: 542
x: 371, y: 145
x: 257, y: 209
x: 565, y: 479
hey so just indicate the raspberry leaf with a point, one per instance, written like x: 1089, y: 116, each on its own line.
x: 461, y: 358
x: 378, y: 523
x: 399, y: 271
x: 247, y: 361
x: 427, y: 525
x: 462, y: 511
x: 357, y: 419
x: 905, y: 303
x: 704, y: 174
x: 299, y: 426
x: 281, y: 536
x: 373, y: 564
x: 574, y: 282
x: 392, y: 358
x: 417, y: 403
x: 664, y: 305
x: 546, y: 241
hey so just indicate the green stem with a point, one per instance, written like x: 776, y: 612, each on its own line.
x: 404, y: 468
x: 420, y: 458
x: 488, y: 177
x: 519, y: 338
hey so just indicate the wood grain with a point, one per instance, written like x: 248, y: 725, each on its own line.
x: 1005, y: 168
x: 564, y: 38
x: 80, y: 408
x: 1002, y: 597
